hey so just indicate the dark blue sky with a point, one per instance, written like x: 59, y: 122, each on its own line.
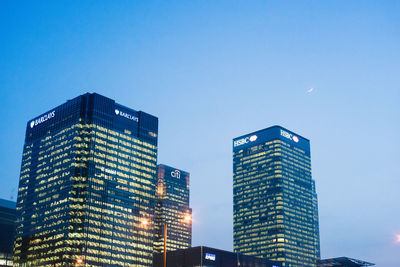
x: 214, y: 70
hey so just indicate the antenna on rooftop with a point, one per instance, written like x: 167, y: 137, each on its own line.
x: 12, y: 194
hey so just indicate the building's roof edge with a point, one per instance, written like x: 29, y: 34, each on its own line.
x: 8, y: 204
x: 169, y: 166
x: 274, y: 126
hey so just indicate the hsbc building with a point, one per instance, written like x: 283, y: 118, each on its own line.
x: 274, y: 198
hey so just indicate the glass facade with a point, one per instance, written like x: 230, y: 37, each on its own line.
x: 7, y: 231
x: 87, y: 182
x: 316, y: 222
x: 274, y: 202
x: 172, y: 208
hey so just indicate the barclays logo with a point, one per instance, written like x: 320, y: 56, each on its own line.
x: 44, y: 118
x: 126, y: 115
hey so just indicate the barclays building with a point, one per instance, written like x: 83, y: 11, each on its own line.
x: 87, y: 186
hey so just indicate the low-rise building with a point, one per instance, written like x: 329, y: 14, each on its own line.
x: 342, y: 262
x: 7, y: 231
x: 210, y: 257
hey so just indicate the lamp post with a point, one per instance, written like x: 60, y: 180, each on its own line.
x: 141, y: 226
x: 165, y: 245
x: 186, y: 219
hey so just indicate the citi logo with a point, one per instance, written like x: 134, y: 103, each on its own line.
x: 176, y: 174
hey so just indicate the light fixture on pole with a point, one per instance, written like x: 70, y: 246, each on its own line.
x: 186, y: 219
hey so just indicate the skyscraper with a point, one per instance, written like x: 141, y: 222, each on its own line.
x: 172, y: 208
x: 274, y: 204
x: 87, y: 186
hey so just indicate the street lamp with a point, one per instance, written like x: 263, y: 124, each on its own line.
x: 144, y: 222
x: 397, y: 238
x: 186, y: 219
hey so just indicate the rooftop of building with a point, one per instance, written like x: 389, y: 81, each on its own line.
x: 174, y: 168
x: 211, y: 257
x: 268, y: 128
x: 96, y: 95
x: 342, y: 262
x: 8, y: 204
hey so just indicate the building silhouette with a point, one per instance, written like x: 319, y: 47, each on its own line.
x: 342, y: 262
x: 210, y: 257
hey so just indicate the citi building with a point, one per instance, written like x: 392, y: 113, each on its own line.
x: 172, y: 209
x: 87, y: 186
x: 275, y: 209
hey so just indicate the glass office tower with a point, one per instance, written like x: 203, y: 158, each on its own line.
x: 87, y: 183
x: 274, y: 204
x: 172, y: 208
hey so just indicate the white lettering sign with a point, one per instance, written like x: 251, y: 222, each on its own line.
x: 109, y: 171
x: 245, y: 140
x: 210, y: 256
x: 176, y: 174
x: 126, y: 115
x: 43, y: 118
x: 289, y: 136
x: 241, y: 141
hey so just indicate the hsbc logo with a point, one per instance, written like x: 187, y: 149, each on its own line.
x: 289, y: 136
x: 176, y: 174
x: 244, y: 140
x: 253, y: 138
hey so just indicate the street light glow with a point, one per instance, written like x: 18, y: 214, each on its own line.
x: 144, y: 221
x: 79, y: 261
x: 188, y: 218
